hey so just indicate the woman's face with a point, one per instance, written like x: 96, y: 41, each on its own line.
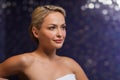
x: 53, y: 31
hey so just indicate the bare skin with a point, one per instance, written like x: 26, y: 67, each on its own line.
x: 37, y: 68
x: 43, y: 63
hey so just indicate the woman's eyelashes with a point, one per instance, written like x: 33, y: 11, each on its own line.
x: 63, y: 27
x: 53, y: 27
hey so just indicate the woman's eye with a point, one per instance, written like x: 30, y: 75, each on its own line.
x: 63, y: 27
x: 51, y: 28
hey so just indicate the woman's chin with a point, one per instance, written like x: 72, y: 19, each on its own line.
x: 59, y: 46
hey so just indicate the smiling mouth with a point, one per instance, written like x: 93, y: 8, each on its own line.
x: 58, y: 41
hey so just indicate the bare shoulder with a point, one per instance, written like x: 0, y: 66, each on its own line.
x: 3, y: 79
x: 26, y: 59
x: 15, y: 64
x: 69, y: 61
x: 76, y: 68
x: 22, y: 59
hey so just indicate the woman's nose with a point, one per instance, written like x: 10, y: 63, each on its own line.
x: 59, y: 33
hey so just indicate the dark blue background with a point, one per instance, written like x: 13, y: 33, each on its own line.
x: 93, y: 34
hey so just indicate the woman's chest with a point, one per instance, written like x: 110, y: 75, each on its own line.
x: 46, y: 71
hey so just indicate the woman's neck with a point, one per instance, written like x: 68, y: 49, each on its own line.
x: 45, y: 52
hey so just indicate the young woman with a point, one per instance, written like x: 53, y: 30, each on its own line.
x: 48, y: 29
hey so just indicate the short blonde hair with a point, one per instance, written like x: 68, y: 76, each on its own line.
x: 40, y: 13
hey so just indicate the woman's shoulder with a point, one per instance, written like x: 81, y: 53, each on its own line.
x: 15, y: 64
x: 24, y: 59
x: 69, y: 61
x: 75, y: 67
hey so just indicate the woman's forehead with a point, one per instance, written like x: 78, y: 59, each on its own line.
x: 54, y: 17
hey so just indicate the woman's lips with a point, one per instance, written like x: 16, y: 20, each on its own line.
x: 58, y: 41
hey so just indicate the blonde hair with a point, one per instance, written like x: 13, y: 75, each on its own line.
x: 40, y: 13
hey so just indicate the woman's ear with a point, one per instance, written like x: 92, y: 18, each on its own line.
x: 35, y: 32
